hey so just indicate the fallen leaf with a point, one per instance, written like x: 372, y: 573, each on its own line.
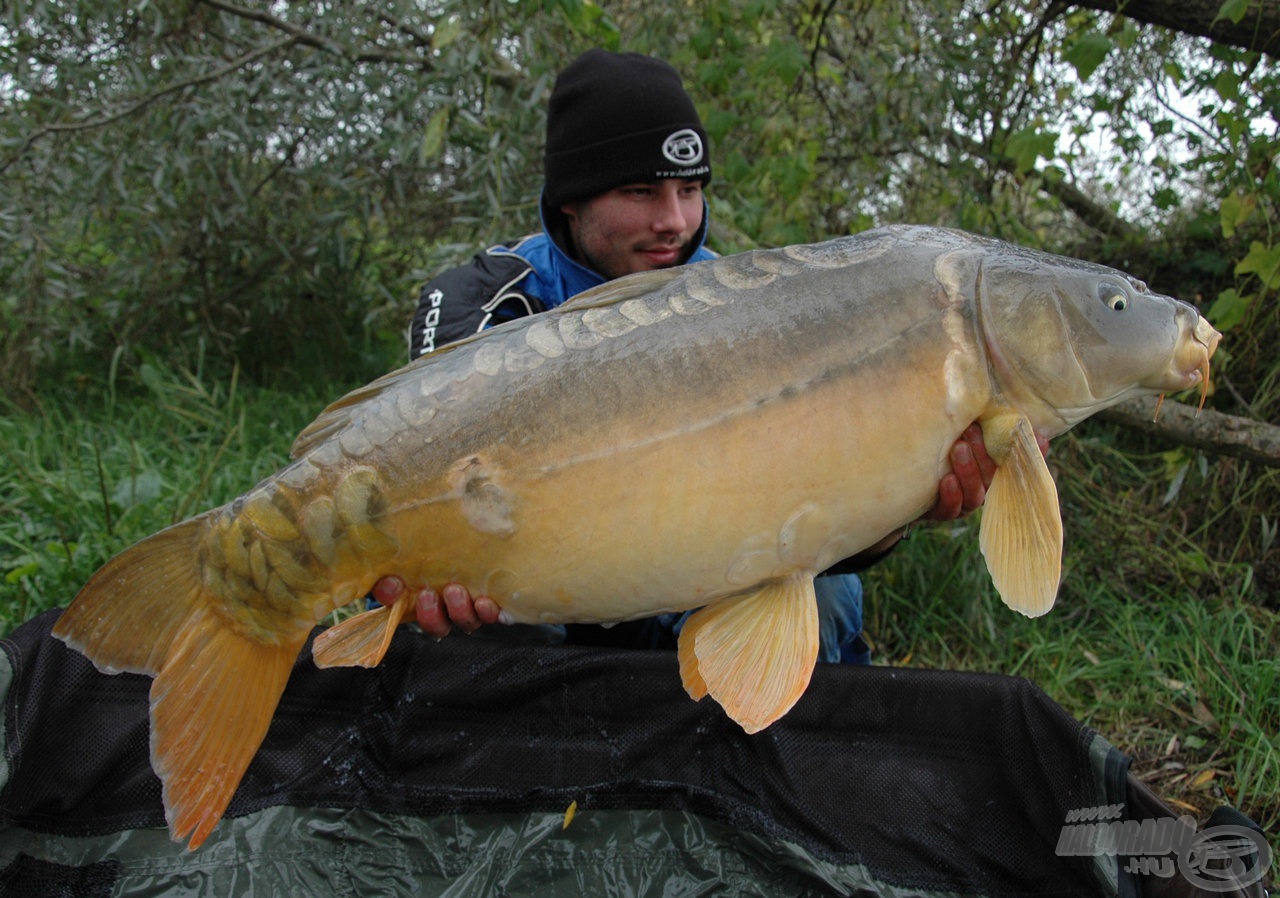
x: 1202, y: 777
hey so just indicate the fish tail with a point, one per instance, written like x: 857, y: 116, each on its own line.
x: 211, y: 706
x: 128, y: 615
x: 217, y: 680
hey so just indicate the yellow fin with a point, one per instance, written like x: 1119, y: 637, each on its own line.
x: 127, y: 615
x: 363, y: 640
x: 216, y: 686
x: 1021, y: 533
x: 753, y: 654
x: 211, y: 706
x: 690, y: 678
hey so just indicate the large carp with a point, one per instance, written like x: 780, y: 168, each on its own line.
x: 704, y: 437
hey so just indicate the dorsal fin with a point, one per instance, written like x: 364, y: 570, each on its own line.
x: 335, y: 416
x: 641, y: 283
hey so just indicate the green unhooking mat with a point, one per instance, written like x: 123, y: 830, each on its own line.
x: 451, y: 768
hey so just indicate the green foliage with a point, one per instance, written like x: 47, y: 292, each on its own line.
x: 91, y: 471
x: 260, y: 184
x: 1233, y: 10
x: 269, y: 183
x: 1087, y: 52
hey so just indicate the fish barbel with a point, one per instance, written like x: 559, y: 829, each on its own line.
x: 706, y: 437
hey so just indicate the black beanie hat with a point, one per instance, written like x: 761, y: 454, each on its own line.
x: 619, y: 118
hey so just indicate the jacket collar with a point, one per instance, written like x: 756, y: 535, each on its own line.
x: 556, y: 227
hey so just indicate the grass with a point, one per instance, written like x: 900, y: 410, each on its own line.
x: 89, y: 473
x: 1165, y: 638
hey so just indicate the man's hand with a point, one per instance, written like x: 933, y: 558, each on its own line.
x: 965, y: 488
x: 962, y: 490
x: 438, y: 613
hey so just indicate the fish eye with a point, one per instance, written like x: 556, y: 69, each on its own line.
x: 1115, y: 298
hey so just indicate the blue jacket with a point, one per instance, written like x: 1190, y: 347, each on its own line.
x: 504, y: 282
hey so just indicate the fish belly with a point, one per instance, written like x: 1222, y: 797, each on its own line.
x: 634, y: 525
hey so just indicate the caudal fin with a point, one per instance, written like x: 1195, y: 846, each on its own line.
x: 211, y: 705
x: 126, y: 617
x: 217, y: 682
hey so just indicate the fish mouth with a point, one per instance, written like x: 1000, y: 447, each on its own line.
x: 1191, y: 359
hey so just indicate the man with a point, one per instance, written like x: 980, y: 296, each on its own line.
x: 626, y: 161
x: 625, y: 167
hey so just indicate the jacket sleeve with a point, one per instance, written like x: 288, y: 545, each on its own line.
x: 465, y: 300
x: 856, y: 564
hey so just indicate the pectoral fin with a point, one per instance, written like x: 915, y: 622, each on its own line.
x: 361, y: 641
x: 753, y: 654
x: 1021, y: 534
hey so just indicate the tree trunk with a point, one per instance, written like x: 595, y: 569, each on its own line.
x: 1258, y: 30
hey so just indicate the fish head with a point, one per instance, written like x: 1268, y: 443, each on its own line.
x: 1068, y: 338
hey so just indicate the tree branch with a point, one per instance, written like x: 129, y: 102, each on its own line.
x: 1091, y: 212
x: 419, y: 37
x: 1088, y: 210
x: 302, y: 36
x: 99, y: 118
x: 1259, y: 30
x: 1244, y: 438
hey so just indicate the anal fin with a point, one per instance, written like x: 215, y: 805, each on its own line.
x: 754, y: 654
x: 363, y: 640
x: 1021, y: 532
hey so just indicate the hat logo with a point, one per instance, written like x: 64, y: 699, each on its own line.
x: 684, y: 147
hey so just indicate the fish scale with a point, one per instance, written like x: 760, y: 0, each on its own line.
x: 278, y: 547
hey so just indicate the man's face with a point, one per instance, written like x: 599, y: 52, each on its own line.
x: 636, y: 227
